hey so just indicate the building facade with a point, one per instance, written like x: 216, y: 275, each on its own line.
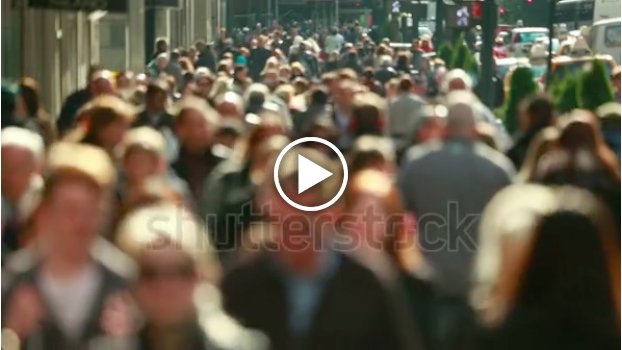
x: 56, y: 41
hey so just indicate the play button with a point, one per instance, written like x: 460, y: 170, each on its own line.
x: 310, y: 173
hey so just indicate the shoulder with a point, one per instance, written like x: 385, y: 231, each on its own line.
x: 213, y: 320
x: 19, y: 267
x: 254, y: 271
x: 419, y: 152
x: 226, y: 168
x: 495, y: 158
x: 118, y: 267
x: 77, y: 96
x: 352, y: 275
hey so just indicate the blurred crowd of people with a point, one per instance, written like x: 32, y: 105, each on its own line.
x: 145, y: 215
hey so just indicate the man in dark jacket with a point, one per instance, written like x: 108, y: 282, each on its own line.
x: 385, y: 72
x: 351, y: 60
x: 155, y: 115
x: 308, y: 60
x: 257, y: 58
x: 99, y: 82
x: 318, y: 107
x: 206, y: 56
x: 194, y: 127
x: 304, y: 294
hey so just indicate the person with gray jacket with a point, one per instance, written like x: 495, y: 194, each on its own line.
x: 405, y: 112
x: 446, y: 185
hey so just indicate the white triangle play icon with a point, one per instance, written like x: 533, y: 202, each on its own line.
x: 310, y: 174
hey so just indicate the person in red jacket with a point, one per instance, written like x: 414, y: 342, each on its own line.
x: 499, y: 51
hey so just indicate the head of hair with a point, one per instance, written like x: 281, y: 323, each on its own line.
x: 197, y: 104
x: 256, y: 95
x: 551, y: 254
x: 347, y: 74
x: 29, y: 91
x: 318, y: 95
x: 461, y: 113
x: 25, y: 139
x: 68, y: 161
x: 368, y: 111
x: 371, y: 152
x: 98, y: 114
x: 285, y: 92
x: 539, y: 111
x: 155, y: 87
x: 177, y: 228
x: 93, y: 69
x: 542, y: 143
x: 456, y: 79
x: 397, y: 241
x: 143, y: 138
x: 405, y: 84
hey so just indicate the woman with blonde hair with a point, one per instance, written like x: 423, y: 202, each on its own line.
x: 543, y: 142
x: 103, y: 122
x: 271, y: 64
x: 298, y: 70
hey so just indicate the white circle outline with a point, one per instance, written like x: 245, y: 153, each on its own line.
x: 344, y: 181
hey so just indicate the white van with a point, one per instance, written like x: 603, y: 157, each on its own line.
x: 604, y: 38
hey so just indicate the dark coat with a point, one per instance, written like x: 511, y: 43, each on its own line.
x: 165, y: 121
x: 257, y: 61
x: 206, y: 59
x: 194, y: 169
x: 538, y: 330
x: 383, y: 75
x: 331, y: 66
x: 71, y: 106
x: 355, y: 311
x: 226, y: 203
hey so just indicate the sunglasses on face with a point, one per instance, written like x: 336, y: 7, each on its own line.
x: 151, y: 273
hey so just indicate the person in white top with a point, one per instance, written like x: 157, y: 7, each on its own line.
x: 334, y: 41
x: 65, y: 297
x: 22, y: 155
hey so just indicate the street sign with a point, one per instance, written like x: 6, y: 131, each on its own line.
x: 118, y: 6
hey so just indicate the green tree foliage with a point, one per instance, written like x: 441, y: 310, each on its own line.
x: 594, y: 87
x: 390, y: 29
x: 457, y: 55
x: 565, y: 94
x: 463, y: 57
x: 522, y: 85
x: 445, y: 52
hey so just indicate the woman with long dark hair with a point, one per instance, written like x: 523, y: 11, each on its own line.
x: 547, y: 275
x: 29, y: 112
x: 583, y: 159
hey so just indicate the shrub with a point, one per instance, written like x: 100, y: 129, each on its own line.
x: 522, y: 85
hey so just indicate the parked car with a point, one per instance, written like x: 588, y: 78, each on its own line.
x: 522, y: 38
x: 504, y: 65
